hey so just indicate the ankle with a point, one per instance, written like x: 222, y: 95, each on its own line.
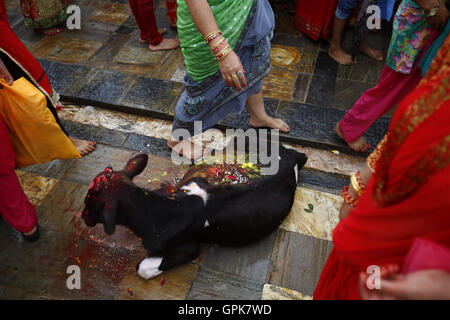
x: 261, y: 118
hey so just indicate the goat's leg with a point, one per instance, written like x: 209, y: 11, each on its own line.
x: 152, y: 266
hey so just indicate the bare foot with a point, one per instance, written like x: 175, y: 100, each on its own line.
x: 186, y: 149
x: 166, y: 44
x: 358, y: 145
x: 50, y: 31
x: 340, y: 56
x: 372, y: 53
x: 270, y: 122
x: 161, y: 32
x: 84, y: 147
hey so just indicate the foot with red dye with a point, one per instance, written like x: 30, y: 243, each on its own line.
x: 84, y: 147
x: 358, y: 145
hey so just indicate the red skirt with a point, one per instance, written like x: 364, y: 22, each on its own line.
x: 14, y: 48
x: 315, y: 18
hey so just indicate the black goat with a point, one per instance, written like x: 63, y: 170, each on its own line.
x: 173, y: 220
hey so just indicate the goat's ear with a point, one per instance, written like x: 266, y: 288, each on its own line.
x: 301, y: 159
x: 109, y: 213
x: 136, y: 165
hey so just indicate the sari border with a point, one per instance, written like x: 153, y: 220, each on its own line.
x: 437, y: 156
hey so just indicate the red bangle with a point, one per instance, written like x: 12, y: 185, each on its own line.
x: 212, y: 36
x: 219, y: 47
x: 357, y: 183
x: 223, y: 54
x: 348, y: 198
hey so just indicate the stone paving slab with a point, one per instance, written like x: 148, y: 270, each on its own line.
x: 314, y: 214
x: 313, y: 126
x: 271, y: 292
x: 24, y: 265
x: 173, y: 284
x: 53, y: 169
x: 35, y: 186
x: 250, y: 262
x: 297, y: 261
x: 213, y: 285
x: 56, y: 212
x: 102, y: 269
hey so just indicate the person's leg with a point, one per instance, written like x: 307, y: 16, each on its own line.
x: 172, y: 12
x: 388, y: 93
x: 157, y: 42
x: 147, y: 13
x: 371, y: 52
x: 343, y: 12
x: 144, y: 36
x: 15, y: 207
x: 259, y: 117
x: 391, y: 89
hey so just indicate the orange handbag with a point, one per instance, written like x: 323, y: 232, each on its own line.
x: 34, y: 133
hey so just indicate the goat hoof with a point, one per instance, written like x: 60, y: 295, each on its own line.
x: 149, y: 268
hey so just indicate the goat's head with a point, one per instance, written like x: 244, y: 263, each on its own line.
x: 105, y: 191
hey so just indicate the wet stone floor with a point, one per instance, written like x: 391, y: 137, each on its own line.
x: 126, y: 95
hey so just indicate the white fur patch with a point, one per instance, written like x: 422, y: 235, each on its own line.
x: 296, y: 172
x: 206, y: 224
x: 149, y: 268
x: 194, y: 190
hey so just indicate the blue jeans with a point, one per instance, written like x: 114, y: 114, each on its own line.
x: 345, y: 8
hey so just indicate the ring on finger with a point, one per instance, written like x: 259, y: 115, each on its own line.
x: 240, y: 73
x: 234, y: 76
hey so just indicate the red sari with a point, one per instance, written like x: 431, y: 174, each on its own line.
x: 16, y: 51
x: 15, y: 207
x: 409, y: 194
x: 315, y: 18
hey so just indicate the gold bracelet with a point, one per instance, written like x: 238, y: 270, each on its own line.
x: 355, y: 185
x: 224, y: 54
x: 210, y: 36
x: 223, y: 50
